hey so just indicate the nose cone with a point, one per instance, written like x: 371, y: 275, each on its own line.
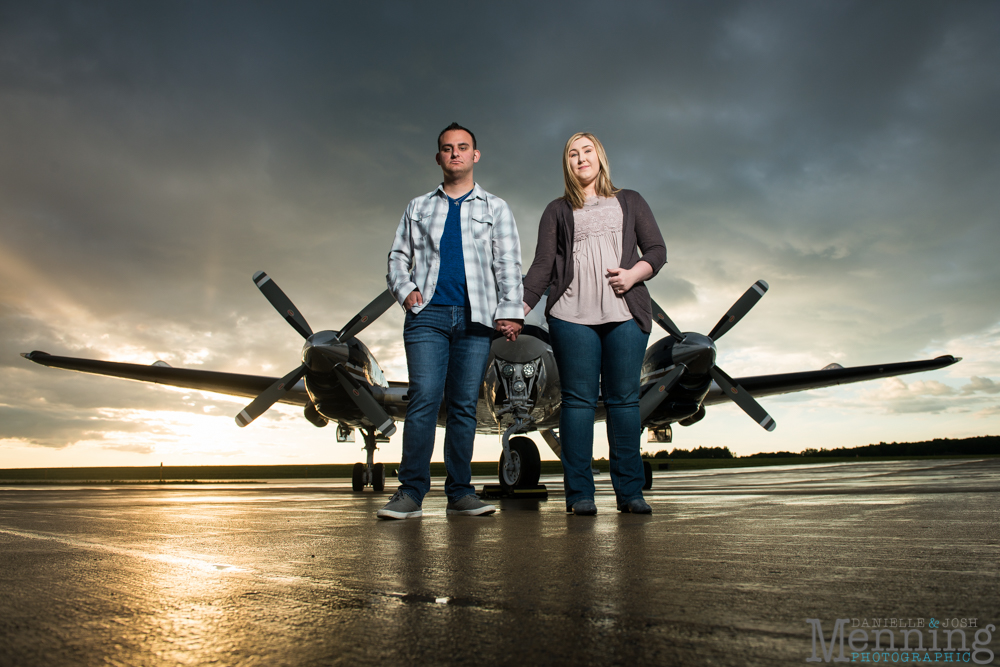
x: 323, y: 350
x: 696, y: 351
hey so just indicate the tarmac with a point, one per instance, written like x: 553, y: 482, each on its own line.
x: 726, y: 571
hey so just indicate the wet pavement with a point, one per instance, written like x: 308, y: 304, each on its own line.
x: 725, y: 572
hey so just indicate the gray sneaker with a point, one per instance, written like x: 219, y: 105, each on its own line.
x: 636, y: 506
x: 470, y: 505
x: 400, y: 506
x: 585, y: 507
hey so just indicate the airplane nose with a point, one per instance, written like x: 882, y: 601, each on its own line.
x: 696, y: 351
x: 323, y: 350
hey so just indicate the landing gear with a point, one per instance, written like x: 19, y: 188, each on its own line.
x: 378, y: 478
x: 369, y: 474
x: 524, y: 467
x: 647, y: 470
x: 358, y: 481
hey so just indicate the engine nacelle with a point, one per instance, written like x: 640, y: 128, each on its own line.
x: 695, y: 418
x: 314, y: 417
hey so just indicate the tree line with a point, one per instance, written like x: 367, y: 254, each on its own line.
x: 984, y: 445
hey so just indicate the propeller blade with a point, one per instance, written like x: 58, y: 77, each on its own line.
x: 742, y: 398
x: 369, y: 407
x: 282, y: 303
x: 269, y: 397
x: 368, y: 314
x: 739, y: 309
x: 660, y: 317
x: 652, y: 398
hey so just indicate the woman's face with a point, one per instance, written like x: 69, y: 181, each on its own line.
x: 583, y: 161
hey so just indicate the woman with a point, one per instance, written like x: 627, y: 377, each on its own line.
x: 599, y: 317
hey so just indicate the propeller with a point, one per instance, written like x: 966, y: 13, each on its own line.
x: 269, y: 396
x: 694, y: 348
x: 652, y: 398
x: 331, y: 351
x: 282, y: 303
x: 742, y: 398
x: 739, y: 309
x: 368, y: 314
x: 363, y: 399
x: 660, y: 316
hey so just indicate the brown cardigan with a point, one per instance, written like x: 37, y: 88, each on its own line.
x: 553, y: 264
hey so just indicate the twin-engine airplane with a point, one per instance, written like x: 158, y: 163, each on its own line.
x: 340, y: 381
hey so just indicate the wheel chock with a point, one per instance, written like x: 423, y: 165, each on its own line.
x: 496, y: 492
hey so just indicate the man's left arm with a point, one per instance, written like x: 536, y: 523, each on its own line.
x: 507, y: 271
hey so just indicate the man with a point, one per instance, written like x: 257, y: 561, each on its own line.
x: 455, y: 267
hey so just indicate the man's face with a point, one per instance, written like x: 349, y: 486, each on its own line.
x: 455, y: 153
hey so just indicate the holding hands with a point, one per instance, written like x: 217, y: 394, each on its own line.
x: 509, y: 328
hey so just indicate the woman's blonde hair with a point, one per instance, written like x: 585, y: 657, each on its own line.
x: 603, y: 186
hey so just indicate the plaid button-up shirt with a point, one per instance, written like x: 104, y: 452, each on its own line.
x: 490, y: 246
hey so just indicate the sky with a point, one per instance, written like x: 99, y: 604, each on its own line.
x: 154, y: 155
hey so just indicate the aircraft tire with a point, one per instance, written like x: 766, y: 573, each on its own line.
x: 528, y: 465
x: 378, y: 477
x: 647, y: 470
x: 358, y: 477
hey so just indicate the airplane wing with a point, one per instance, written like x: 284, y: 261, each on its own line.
x: 234, y: 384
x: 784, y: 383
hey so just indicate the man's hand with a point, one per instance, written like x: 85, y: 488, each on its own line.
x: 527, y: 309
x: 413, y: 299
x: 509, y: 328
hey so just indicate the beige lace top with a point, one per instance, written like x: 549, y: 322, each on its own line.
x: 597, y: 247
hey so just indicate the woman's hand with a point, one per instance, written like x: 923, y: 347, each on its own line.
x: 622, y: 280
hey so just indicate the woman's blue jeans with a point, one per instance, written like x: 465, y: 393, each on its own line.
x: 446, y: 355
x: 602, y: 360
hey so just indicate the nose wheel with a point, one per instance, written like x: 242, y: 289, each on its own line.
x: 524, y: 466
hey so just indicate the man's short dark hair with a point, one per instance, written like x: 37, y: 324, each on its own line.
x: 456, y: 126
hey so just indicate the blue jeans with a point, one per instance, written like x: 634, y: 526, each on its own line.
x: 446, y: 356
x: 605, y: 357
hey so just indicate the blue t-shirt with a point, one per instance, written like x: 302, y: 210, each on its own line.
x: 450, y: 290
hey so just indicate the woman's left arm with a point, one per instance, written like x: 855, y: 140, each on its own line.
x: 648, y: 237
x: 650, y: 241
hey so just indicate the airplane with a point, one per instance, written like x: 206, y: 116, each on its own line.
x: 339, y: 380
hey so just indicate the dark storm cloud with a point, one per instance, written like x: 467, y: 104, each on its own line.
x: 156, y: 154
